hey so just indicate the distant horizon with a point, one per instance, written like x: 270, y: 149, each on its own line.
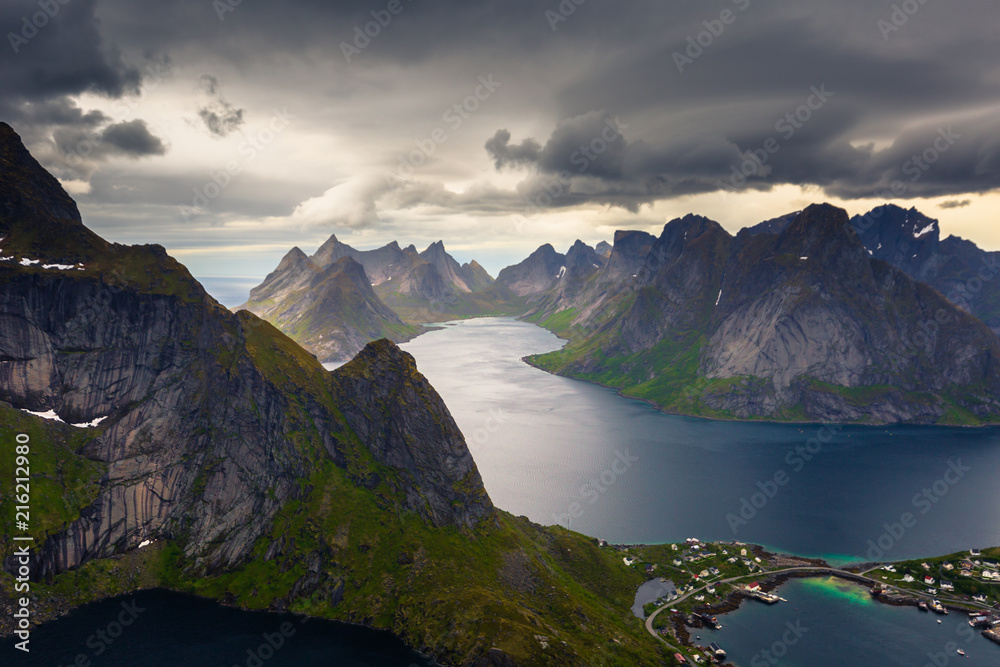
x: 494, y: 267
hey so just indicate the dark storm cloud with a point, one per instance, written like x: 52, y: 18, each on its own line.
x: 54, y: 51
x: 503, y: 154
x: 132, y: 139
x: 220, y: 117
x: 47, y: 57
x: 747, y: 84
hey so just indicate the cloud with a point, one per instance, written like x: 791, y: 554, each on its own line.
x: 350, y: 205
x: 504, y: 155
x: 131, y: 139
x: 955, y: 203
x: 538, y: 142
x: 219, y: 116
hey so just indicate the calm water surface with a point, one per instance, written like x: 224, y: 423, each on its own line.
x: 543, y: 443
x: 562, y: 451
x: 832, y: 622
x: 168, y: 629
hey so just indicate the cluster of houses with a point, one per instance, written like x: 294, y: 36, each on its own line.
x: 973, y: 567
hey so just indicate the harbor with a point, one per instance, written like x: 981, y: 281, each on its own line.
x: 712, y: 579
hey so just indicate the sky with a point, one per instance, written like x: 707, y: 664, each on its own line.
x: 230, y: 130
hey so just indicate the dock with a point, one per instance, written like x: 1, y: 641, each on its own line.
x: 768, y: 598
x: 992, y: 635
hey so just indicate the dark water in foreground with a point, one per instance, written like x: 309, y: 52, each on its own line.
x: 558, y: 450
x: 829, y: 621
x: 172, y: 630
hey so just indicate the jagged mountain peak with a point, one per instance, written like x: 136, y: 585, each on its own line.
x: 894, y: 224
x: 691, y: 226
x: 351, y: 267
x: 295, y: 255
x: 819, y: 230
x: 29, y: 192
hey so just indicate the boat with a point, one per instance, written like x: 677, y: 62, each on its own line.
x: 922, y: 606
x: 939, y: 621
x: 708, y: 620
x: 961, y: 652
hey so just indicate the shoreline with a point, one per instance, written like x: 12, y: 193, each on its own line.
x: 680, y: 625
x: 724, y: 420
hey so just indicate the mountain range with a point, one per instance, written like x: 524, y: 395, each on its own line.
x: 810, y: 316
x: 174, y: 443
x: 794, y: 319
x: 336, y: 300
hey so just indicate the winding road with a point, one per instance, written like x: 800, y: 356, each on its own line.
x: 830, y: 571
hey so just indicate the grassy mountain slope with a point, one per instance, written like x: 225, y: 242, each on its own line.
x: 801, y: 325
x: 261, y: 479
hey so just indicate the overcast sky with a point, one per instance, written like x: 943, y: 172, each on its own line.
x: 498, y: 126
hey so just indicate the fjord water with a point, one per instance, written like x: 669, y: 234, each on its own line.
x: 829, y: 621
x: 562, y: 451
x: 168, y: 629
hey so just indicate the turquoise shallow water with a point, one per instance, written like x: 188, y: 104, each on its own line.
x: 830, y: 622
x: 562, y: 451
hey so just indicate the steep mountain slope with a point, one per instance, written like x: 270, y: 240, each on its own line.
x: 546, y: 270
x: 222, y: 459
x: 419, y: 287
x: 535, y: 274
x: 910, y: 241
x: 798, y: 325
x: 332, y: 312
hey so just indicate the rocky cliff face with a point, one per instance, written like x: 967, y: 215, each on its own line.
x: 801, y: 323
x: 260, y: 478
x: 537, y: 273
x: 417, y: 287
x: 968, y: 276
x: 208, y: 417
x: 332, y: 312
x: 444, y: 480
